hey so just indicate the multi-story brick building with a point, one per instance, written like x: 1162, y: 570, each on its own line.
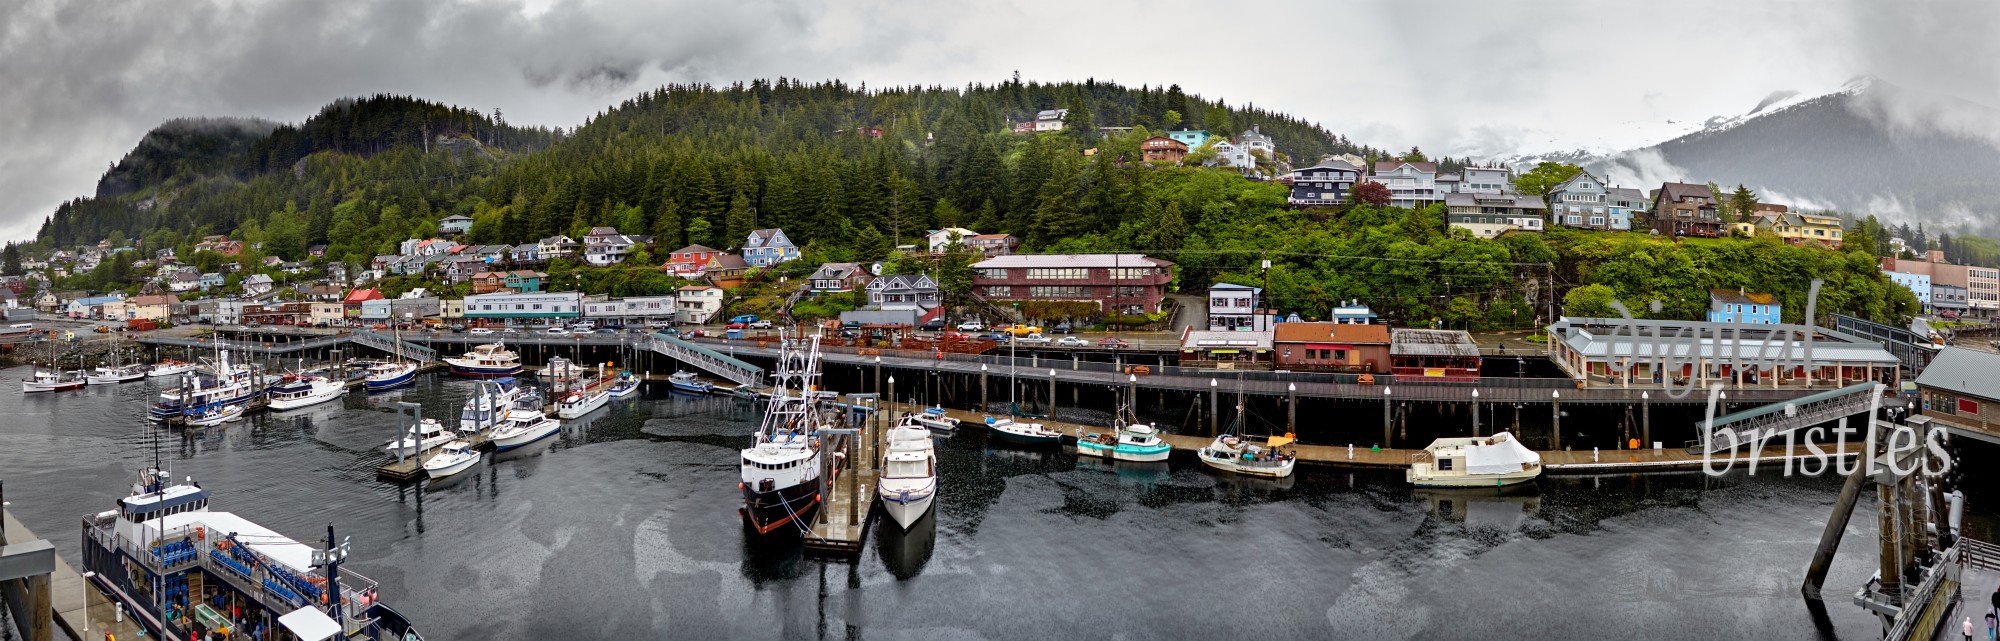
x: 1118, y: 283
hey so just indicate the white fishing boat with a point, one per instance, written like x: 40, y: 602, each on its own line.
x: 428, y: 434
x: 217, y: 414
x: 454, y: 457
x: 52, y: 381
x: 170, y: 367
x: 1233, y: 453
x: 116, y: 374
x: 909, y: 480
x: 935, y: 419
x: 780, y: 478
x: 584, y: 400
x: 560, y: 368
x: 686, y: 381
x: 525, y: 424
x: 1481, y: 461
x: 222, y: 384
x: 298, y: 390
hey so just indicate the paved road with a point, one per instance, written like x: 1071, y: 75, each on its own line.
x: 1194, y: 312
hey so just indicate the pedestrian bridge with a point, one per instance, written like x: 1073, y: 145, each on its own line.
x: 706, y: 359
x: 402, y: 348
x: 1777, y: 419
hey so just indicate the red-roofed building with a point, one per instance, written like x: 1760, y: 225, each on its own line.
x: 352, y: 302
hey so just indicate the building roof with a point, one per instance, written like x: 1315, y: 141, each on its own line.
x: 1608, y: 338
x: 360, y: 295
x: 1070, y: 260
x: 1051, y: 114
x: 1965, y: 371
x: 1382, y: 166
x: 836, y: 270
x: 457, y: 217
x: 699, y: 249
x: 729, y: 261
x: 989, y: 237
x: 696, y: 288
x: 1233, y: 286
x: 1742, y: 298
x: 161, y: 299
x: 1224, y: 339
x: 1514, y: 201
x: 1625, y: 193
x: 1332, y: 163
x: 1431, y: 342
x: 1331, y: 332
x: 1676, y: 191
x: 766, y: 234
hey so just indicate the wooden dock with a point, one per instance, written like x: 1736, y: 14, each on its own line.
x: 841, y: 527
x: 1617, y: 461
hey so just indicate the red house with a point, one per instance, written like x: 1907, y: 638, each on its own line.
x: 689, y: 259
x: 351, y: 305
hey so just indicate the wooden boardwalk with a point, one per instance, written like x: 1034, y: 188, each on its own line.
x: 1556, y: 462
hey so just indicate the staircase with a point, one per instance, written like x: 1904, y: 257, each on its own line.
x: 706, y: 359
x: 989, y: 309
x: 391, y: 346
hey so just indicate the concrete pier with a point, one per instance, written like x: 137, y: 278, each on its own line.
x: 80, y: 609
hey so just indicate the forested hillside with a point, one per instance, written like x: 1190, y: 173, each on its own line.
x: 702, y: 164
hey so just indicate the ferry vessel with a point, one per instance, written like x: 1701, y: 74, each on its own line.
x: 183, y: 571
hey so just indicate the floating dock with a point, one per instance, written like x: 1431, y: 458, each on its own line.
x: 79, y: 608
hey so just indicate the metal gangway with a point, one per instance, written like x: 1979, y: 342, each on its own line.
x: 706, y: 359
x: 1777, y: 419
x: 244, y: 346
x: 392, y: 346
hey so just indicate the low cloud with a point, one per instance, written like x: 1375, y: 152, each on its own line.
x: 1644, y: 169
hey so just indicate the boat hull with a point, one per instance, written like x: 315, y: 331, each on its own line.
x: 701, y: 389
x: 217, y: 417
x: 391, y: 382
x: 477, y: 371
x: 1231, y: 465
x: 448, y: 470
x: 1150, y: 454
x: 279, y: 404
x: 171, y: 371
x: 112, y: 379
x: 591, y: 403
x: 28, y: 387
x: 783, y: 510
x: 1482, y: 480
x: 907, y: 508
x: 1019, y: 438
x: 517, y: 441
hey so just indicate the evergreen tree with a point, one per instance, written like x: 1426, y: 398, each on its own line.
x: 1743, y: 202
x: 10, y: 260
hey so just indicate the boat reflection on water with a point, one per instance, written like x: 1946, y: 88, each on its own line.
x: 905, y: 553
x: 1241, y: 486
x: 1503, y: 509
x: 767, y: 565
x: 1128, y: 472
x: 531, y: 450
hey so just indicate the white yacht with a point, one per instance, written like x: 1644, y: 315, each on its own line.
x: 935, y: 419
x: 454, y: 457
x: 583, y: 400
x: 428, y: 434
x: 1233, y: 453
x: 303, y: 390
x: 382, y: 376
x: 116, y: 374
x: 525, y: 424
x: 1481, y: 461
x: 170, y: 367
x: 487, y: 407
x: 909, y: 477
x: 485, y: 361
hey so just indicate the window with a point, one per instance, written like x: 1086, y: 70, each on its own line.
x: 999, y: 291
x: 1058, y: 292
x: 1057, y: 273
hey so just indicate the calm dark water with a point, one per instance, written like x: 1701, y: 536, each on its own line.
x: 626, y: 528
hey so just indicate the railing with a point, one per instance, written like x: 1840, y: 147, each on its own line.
x: 706, y: 359
x: 1930, y: 601
x: 394, y: 346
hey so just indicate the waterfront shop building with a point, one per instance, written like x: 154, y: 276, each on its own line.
x: 1226, y: 349
x: 1331, y: 347
x: 619, y: 312
x: 1233, y: 308
x: 1439, y: 354
x: 1959, y: 389
x: 1117, y: 283
x: 697, y: 304
x: 507, y: 307
x: 1614, y: 352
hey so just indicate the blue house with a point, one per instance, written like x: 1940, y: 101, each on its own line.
x: 1626, y: 201
x: 1742, y: 307
x: 767, y: 247
x: 211, y: 280
x: 1193, y: 138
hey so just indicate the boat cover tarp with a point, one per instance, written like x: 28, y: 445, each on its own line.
x: 310, y: 624
x: 1280, y: 441
x: 1504, y: 456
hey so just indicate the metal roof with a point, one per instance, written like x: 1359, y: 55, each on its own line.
x: 1431, y: 342
x: 1070, y: 260
x: 1965, y: 371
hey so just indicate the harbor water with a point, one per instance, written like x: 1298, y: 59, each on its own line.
x: 625, y: 527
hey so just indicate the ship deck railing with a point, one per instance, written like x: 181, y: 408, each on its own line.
x: 274, y: 585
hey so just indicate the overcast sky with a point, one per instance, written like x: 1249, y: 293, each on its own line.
x: 84, y: 80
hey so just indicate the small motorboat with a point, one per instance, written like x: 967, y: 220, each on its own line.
x: 428, y: 434
x: 909, y: 480
x: 582, y: 401
x: 1137, y: 442
x: 685, y: 381
x: 935, y: 419
x: 456, y: 456
x: 1499, y: 460
x: 625, y: 385
x: 217, y: 414
x: 1007, y: 429
x: 524, y: 426
x: 1232, y: 453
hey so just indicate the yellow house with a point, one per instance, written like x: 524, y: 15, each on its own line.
x: 1795, y: 228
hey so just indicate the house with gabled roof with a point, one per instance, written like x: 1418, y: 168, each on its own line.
x: 837, y: 278
x: 1685, y: 209
x: 1411, y: 184
x: 904, y: 291
x: 1583, y: 201
x: 767, y: 247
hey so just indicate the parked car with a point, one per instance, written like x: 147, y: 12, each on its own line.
x: 1113, y: 342
x: 1034, y: 339
x: 935, y: 325
x: 557, y: 331
x: 745, y: 319
x: 1024, y: 330
x: 1063, y: 328
x: 694, y: 333
x: 479, y: 331
x: 511, y: 330
x: 760, y: 324
x: 736, y: 325
x: 660, y: 324
x: 970, y: 326
x: 1072, y: 341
